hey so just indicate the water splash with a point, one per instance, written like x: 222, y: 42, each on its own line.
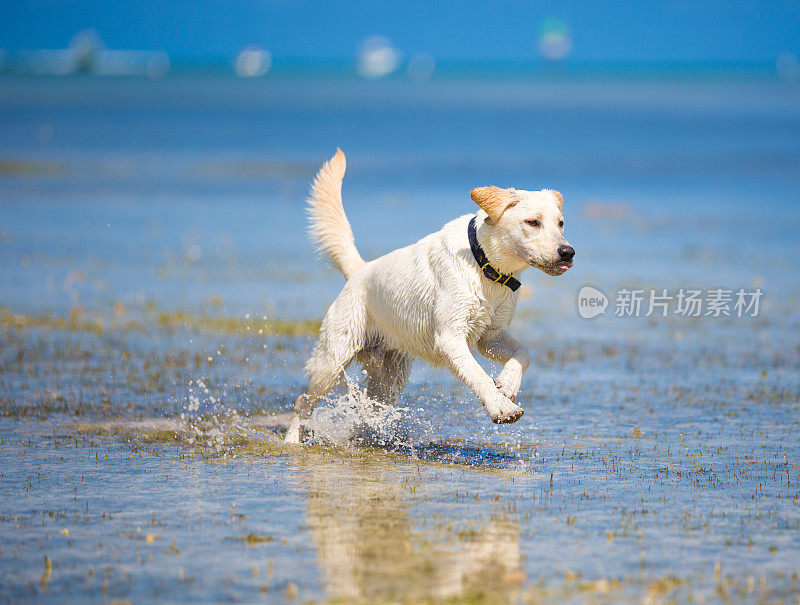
x: 353, y: 418
x: 207, y: 421
x: 345, y: 419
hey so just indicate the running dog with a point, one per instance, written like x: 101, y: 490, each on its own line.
x: 435, y: 300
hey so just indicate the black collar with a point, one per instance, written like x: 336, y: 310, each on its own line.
x: 489, y: 272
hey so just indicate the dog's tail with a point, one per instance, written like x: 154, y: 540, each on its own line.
x: 329, y: 226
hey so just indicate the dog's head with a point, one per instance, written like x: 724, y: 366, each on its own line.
x: 525, y: 228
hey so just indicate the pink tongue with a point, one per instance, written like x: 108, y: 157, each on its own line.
x: 565, y: 267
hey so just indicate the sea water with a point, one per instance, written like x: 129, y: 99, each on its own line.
x: 160, y: 299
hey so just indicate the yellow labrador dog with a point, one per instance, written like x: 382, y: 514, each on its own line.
x: 437, y: 299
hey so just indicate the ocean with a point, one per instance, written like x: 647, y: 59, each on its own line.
x: 152, y: 238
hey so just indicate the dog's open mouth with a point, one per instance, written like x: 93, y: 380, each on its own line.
x: 556, y: 269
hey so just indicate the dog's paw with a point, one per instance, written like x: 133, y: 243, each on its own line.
x: 508, y: 416
x: 505, y: 390
x: 505, y: 411
x: 508, y: 383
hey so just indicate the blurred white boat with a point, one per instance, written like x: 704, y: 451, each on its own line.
x: 86, y: 53
x: 377, y: 58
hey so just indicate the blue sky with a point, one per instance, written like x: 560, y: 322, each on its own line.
x: 607, y: 31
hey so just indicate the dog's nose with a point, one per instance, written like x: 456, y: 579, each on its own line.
x: 566, y: 252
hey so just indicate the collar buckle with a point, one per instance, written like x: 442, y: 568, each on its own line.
x: 488, y: 271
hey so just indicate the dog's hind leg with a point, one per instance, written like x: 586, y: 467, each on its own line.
x: 398, y: 368
x: 387, y: 373
x: 341, y: 337
x: 324, y: 370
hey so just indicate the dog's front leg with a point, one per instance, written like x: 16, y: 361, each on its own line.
x: 498, y: 346
x: 453, y: 348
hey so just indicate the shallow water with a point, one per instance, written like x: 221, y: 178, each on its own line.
x: 156, y: 276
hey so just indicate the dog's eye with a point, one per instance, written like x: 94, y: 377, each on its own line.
x: 560, y: 223
x: 534, y: 222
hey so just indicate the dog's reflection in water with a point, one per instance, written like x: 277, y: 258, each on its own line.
x: 368, y: 518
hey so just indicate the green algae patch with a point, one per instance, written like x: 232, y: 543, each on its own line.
x: 76, y: 321
x: 259, y: 436
x: 28, y: 168
x: 252, y: 539
x: 203, y: 437
x: 118, y: 318
x: 238, y: 325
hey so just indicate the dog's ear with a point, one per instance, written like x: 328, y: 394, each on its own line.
x: 494, y: 201
x: 558, y: 196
